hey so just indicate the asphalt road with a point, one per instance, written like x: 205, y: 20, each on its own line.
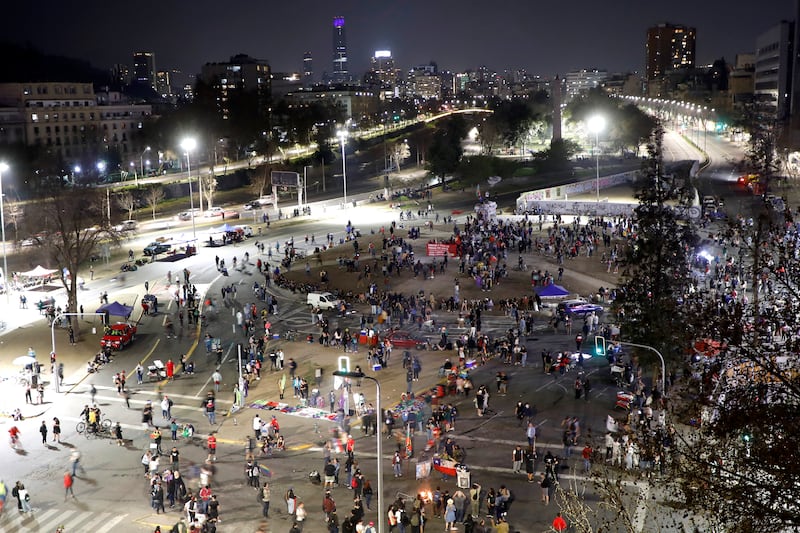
x: 112, y: 493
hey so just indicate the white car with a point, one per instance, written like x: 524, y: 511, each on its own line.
x: 127, y: 225
x: 214, y: 212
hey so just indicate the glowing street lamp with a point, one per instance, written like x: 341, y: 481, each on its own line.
x: 187, y: 145
x: 597, y: 124
x: 141, y: 160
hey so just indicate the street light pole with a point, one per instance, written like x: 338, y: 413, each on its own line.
x: 141, y: 160
x: 6, y: 284
x: 378, y: 439
x: 342, y: 138
x: 597, y: 124
x: 188, y: 145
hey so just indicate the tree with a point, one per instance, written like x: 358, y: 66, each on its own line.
x: 260, y: 181
x: 657, y: 272
x: 71, y: 219
x: 153, y: 195
x: 127, y: 201
x: 208, y: 187
x: 742, y: 465
x: 445, y: 151
x: 557, y: 157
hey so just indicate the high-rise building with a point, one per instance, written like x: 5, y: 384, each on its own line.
x: 227, y: 80
x: 669, y: 47
x: 580, y: 81
x: 340, y: 74
x: 164, y: 83
x: 144, y: 69
x: 121, y: 75
x: 308, y: 69
x: 773, y: 71
x: 382, y: 76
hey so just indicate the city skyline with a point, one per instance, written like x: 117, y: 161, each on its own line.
x: 512, y: 35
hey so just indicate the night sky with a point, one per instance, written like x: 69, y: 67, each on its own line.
x: 544, y: 37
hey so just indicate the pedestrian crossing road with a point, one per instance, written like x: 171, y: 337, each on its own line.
x: 48, y: 520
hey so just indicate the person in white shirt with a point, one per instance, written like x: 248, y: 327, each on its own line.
x: 257, y: 427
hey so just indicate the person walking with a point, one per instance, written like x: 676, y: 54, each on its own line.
x: 75, y: 460
x: 68, y: 482
x: 93, y: 393
x: 212, y: 447
x: 43, y: 431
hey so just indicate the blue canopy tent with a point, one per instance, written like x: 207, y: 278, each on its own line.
x: 552, y: 291
x: 115, y: 309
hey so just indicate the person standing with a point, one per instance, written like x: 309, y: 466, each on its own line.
x: 397, y: 464
x: 450, y: 515
x: 530, y: 433
x: 516, y: 459
x: 56, y: 430
x: 43, y: 431
x: 157, y: 498
x: 216, y: 377
x: 265, y: 495
x: 300, y: 516
x: 68, y: 482
x: 25, y: 499
x: 139, y: 374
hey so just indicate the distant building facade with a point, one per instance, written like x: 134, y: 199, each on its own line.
x: 71, y: 119
x: 773, y: 76
x: 241, y: 73
x: 581, y: 81
x: 669, y: 47
x: 144, y: 69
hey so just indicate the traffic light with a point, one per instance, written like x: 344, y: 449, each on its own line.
x: 599, y: 345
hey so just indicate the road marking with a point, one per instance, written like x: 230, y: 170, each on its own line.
x: 146, y: 357
x: 156, y: 393
x: 205, y: 385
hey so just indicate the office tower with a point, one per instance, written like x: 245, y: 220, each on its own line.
x: 340, y: 74
x: 308, y: 69
x: 230, y: 80
x: 669, y: 47
x: 773, y: 71
x: 144, y: 69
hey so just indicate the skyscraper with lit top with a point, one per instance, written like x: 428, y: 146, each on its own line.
x: 340, y: 74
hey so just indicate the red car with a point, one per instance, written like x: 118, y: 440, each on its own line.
x: 118, y: 336
x: 404, y: 340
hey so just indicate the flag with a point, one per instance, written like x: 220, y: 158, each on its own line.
x: 264, y: 470
x: 445, y: 466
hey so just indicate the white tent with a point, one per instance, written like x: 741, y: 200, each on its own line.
x: 38, y: 272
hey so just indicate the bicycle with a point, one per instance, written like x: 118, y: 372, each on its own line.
x: 104, y: 426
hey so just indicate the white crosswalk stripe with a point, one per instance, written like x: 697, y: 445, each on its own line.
x: 13, y: 521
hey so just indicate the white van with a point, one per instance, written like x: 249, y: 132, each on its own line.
x: 246, y: 230
x: 323, y: 300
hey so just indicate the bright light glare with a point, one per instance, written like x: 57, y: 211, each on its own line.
x: 342, y: 134
x: 3, y: 166
x: 101, y: 165
x: 188, y: 144
x: 596, y: 124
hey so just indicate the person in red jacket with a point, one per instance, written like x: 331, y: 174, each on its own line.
x: 68, y: 485
x: 559, y: 524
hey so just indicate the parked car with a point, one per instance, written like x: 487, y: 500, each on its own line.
x: 155, y: 248
x: 118, y: 336
x: 127, y: 225
x: 578, y: 308
x: 249, y: 206
x: 405, y: 340
x: 230, y: 214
